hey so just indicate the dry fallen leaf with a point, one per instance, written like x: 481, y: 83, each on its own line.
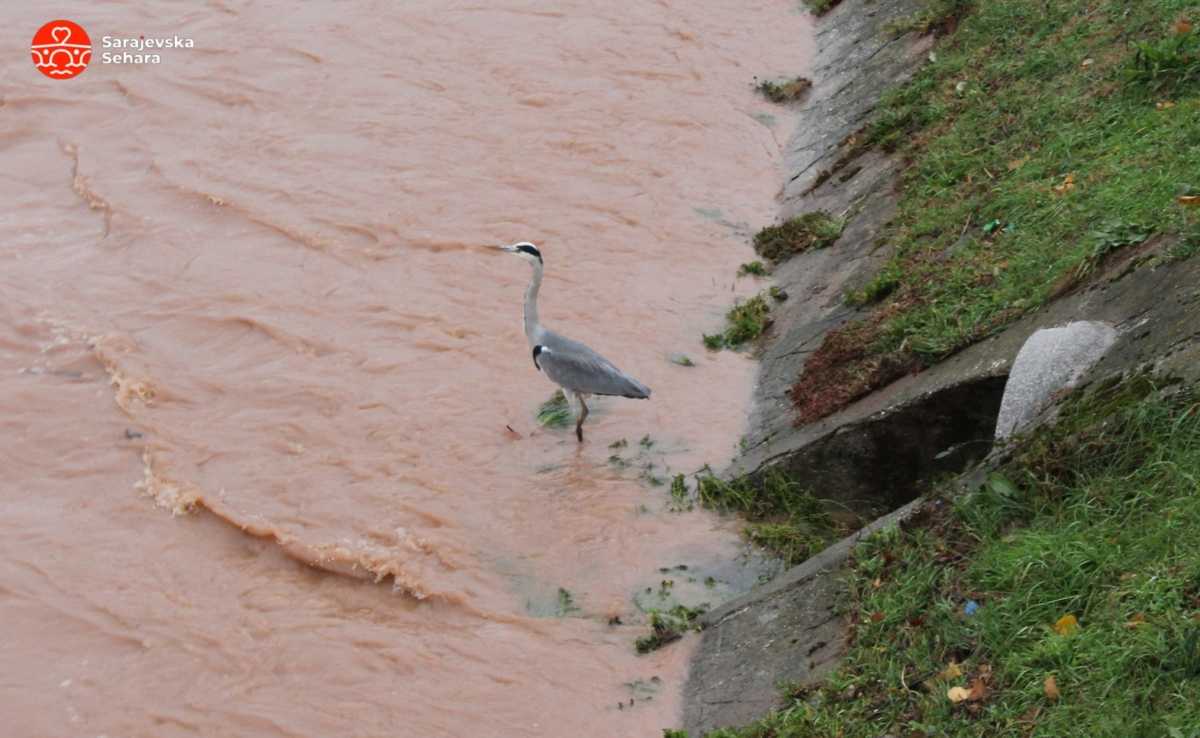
x: 877, y: 617
x: 958, y: 694
x: 1067, y: 185
x: 1066, y: 625
x: 1191, y: 201
x: 978, y: 691
x: 1087, y: 62
x: 952, y: 671
x: 1182, y: 26
x: 1165, y: 105
x: 1016, y: 164
x: 877, y: 583
x: 1051, y: 688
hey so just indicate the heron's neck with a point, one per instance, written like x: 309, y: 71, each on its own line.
x: 532, y: 325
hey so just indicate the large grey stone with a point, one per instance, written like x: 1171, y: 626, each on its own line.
x: 1050, y: 361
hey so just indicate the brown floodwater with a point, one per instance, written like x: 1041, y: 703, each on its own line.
x: 269, y: 464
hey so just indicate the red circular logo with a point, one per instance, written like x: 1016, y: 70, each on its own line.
x: 61, y: 49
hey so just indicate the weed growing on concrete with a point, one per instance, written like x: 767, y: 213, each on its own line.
x: 821, y: 7
x: 814, y: 230
x: 745, y: 322
x: 785, y: 518
x: 752, y: 268
x: 786, y: 91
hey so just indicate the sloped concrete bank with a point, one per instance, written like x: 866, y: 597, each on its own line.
x: 875, y: 454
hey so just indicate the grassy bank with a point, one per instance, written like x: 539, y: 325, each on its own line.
x: 1042, y: 141
x: 783, y: 515
x: 1063, y: 599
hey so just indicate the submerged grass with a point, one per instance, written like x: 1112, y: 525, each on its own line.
x: 745, y: 322
x: 1045, y: 136
x: 555, y: 412
x: 667, y: 626
x: 1062, y: 599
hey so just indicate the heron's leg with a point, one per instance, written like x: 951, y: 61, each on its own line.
x: 583, y: 413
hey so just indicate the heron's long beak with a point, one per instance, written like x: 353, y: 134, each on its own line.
x: 509, y: 249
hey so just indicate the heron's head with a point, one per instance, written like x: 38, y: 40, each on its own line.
x: 526, y: 251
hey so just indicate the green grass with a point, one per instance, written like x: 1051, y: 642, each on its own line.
x: 555, y: 412
x: 667, y: 626
x: 1098, y: 519
x: 784, y: 516
x: 681, y: 498
x: 814, y: 230
x: 821, y: 7
x: 752, y: 268
x: 1046, y: 138
x: 565, y: 604
x: 745, y: 322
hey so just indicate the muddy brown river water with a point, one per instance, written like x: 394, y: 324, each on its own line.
x: 258, y: 370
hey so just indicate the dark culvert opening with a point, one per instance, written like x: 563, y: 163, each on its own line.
x: 881, y: 463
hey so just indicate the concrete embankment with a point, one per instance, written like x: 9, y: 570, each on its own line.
x: 876, y: 454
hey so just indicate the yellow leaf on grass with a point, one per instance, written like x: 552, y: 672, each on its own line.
x: 1189, y: 200
x: 1067, y: 185
x: 958, y: 694
x: 1136, y: 620
x: 952, y: 671
x: 1051, y: 688
x: 1165, y: 105
x: 1066, y: 625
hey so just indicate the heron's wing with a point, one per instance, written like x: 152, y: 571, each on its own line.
x: 588, y: 372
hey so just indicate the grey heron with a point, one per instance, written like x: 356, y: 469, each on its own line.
x: 574, y: 367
